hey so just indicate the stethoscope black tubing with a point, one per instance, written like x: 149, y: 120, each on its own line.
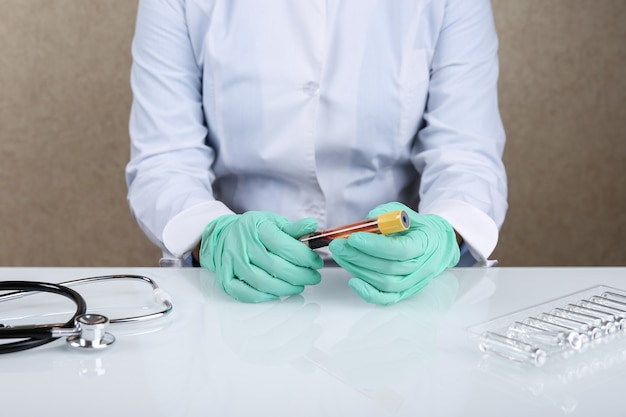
x: 37, y: 335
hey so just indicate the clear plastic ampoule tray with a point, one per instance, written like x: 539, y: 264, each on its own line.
x: 556, y: 329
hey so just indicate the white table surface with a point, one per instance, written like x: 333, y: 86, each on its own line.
x: 324, y: 353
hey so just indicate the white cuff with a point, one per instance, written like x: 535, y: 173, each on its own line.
x: 479, y: 231
x: 185, y: 229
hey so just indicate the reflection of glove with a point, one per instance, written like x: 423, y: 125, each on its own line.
x: 271, y: 334
x: 390, y: 268
x: 256, y: 256
x: 384, y: 346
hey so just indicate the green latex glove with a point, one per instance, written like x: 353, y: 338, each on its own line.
x: 256, y: 255
x: 390, y: 268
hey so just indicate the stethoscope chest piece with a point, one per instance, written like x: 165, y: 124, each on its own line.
x: 92, y: 334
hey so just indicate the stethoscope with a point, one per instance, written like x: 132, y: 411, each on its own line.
x: 84, y: 330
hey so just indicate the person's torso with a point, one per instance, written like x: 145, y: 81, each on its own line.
x: 313, y: 107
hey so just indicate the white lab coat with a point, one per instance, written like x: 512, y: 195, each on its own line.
x: 322, y: 108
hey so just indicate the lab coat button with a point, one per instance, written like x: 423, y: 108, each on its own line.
x: 311, y: 88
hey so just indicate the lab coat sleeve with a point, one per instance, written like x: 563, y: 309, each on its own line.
x: 168, y: 175
x: 459, y: 150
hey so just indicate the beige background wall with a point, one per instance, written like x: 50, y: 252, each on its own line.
x: 64, y: 102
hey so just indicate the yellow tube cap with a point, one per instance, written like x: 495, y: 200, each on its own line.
x: 393, y: 222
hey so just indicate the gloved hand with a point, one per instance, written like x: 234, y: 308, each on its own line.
x: 390, y: 268
x: 256, y: 255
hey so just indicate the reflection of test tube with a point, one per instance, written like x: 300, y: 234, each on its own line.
x: 386, y: 223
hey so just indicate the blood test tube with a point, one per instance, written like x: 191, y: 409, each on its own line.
x: 386, y: 223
